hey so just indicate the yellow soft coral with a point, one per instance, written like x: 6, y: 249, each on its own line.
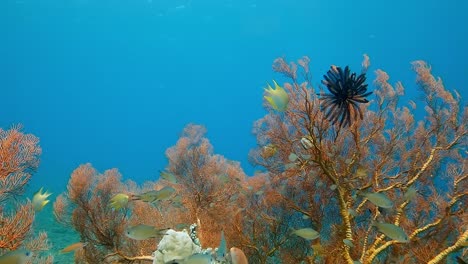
x: 277, y: 97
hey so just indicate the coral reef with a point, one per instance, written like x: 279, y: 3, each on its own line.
x: 86, y: 208
x: 382, y: 189
x: 19, y: 154
x: 320, y: 169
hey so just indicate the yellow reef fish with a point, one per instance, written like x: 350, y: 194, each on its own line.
x: 119, y: 201
x: 73, y: 247
x: 238, y: 256
x: 306, y: 233
x: 142, y: 232
x: 277, y: 97
x: 40, y: 200
x: 20, y: 256
x: 392, y: 231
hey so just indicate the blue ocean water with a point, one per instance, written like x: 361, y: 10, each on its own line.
x: 113, y: 82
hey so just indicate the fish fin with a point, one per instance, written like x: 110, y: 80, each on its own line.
x: 40, y: 191
x: 272, y: 103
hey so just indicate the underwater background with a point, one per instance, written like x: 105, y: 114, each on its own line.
x: 114, y: 82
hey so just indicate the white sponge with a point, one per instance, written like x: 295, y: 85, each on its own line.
x: 176, y: 246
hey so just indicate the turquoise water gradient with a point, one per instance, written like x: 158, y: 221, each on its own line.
x: 113, y: 82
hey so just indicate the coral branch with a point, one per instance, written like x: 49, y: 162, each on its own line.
x: 458, y: 244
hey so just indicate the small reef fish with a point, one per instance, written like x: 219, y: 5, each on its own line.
x: 142, y: 232
x: 361, y: 172
x: 165, y: 193
x: 348, y: 242
x: 119, y: 201
x: 261, y: 192
x: 168, y: 176
x: 224, y: 178
x: 277, y: 97
x: 40, y: 200
x: 269, y: 151
x: 292, y: 157
x: 306, y: 143
x: 238, y: 256
x: 147, y: 197
x: 379, y: 199
x: 410, y: 193
x: 72, y: 247
x: 222, y: 248
x: 392, y: 231
x: 306, y: 233
x: 352, y: 212
x: 198, y: 258
x: 176, y: 201
x: 153, y: 196
x: 20, y: 256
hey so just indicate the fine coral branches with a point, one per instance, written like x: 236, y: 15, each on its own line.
x: 85, y: 206
x: 203, y: 188
x: 16, y: 227
x: 19, y: 154
x: 388, y: 151
x: 381, y: 186
x: 19, y: 159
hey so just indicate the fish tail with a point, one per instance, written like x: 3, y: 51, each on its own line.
x: 162, y: 231
x: 291, y: 231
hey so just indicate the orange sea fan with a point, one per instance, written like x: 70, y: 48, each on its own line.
x: 80, y: 181
x: 395, y: 150
x: 15, y: 228
x: 19, y: 154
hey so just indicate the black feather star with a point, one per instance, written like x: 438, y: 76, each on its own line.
x: 346, y: 91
